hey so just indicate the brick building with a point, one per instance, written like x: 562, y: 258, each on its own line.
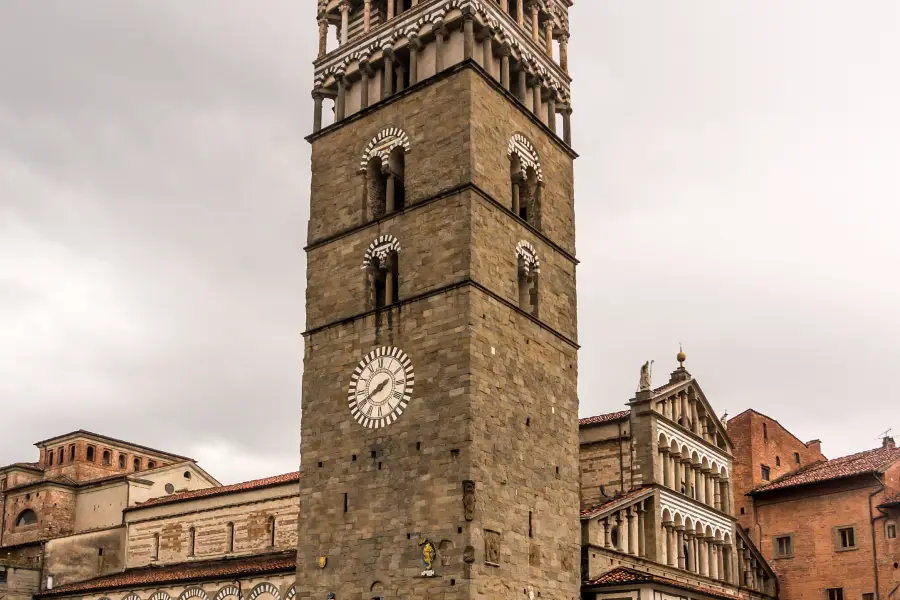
x: 764, y: 451
x: 116, y: 517
x: 657, y: 505
x: 829, y: 529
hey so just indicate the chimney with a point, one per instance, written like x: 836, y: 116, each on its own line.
x: 888, y: 443
x: 815, y: 446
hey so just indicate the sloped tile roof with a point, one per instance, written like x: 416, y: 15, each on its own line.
x: 870, y: 461
x: 621, y: 575
x: 616, y: 416
x: 29, y: 466
x: 192, y: 571
x: 891, y: 502
x: 219, y: 491
x: 590, y: 513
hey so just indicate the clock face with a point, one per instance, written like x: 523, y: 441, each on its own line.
x: 380, y: 387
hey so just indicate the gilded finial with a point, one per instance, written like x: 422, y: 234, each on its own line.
x: 681, y: 356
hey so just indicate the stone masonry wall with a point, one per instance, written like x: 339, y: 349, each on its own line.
x: 251, y: 532
x: 21, y: 582
x: 85, y: 556
x: 604, y: 462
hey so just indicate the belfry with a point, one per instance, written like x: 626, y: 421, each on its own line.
x: 440, y: 411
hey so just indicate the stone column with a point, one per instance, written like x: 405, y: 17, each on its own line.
x: 717, y: 497
x: 468, y: 36
x: 365, y: 71
x: 679, y: 543
x: 523, y: 83
x: 535, y: 22
x: 567, y: 125
x: 318, y: 97
x: 388, y: 77
x: 504, y: 5
x: 517, y: 180
x: 685, y: 410
x: 632, y: 532
x: 720, y: 562
x: 367, y: 16
x: 671, y: 541
x: 390, y: 201
x: 536, y: 90
x: 695, y: 417
x: 564, y: 52
x: 710, y: 488
x: 726, y: 497
x: 701, y: 485
x: 642, y: 535
x: 520, y: 12
x: 389, y: 281
x: 399, y: 70
x: 623, y: 533
x: 686, y: 475
x: 390, y: 11
x: 606, y: 542
x: 548, y: 33
x: 345, y: 21
x: 504, y: 67
x: 415, y: 44
x: 439, y: 48
x: 341, y: 103
x: 727, y: 564
x: 664, y: 458
x: 487, y: 50
x: 323, y: 34
x: 551, y: 111
x: 703, y: 551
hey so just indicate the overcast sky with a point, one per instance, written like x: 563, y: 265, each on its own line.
x: 738, y: 191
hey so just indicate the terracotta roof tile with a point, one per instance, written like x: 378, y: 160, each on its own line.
x: 891, y: 502
x: 870, y: 461
x: 621, y: 575
x: 590, y: 513
x: 218, y: 491
x: 616, y: 416
x: 207, y: 569
x: 29, y: 466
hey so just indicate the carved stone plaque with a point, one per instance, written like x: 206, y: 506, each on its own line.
x: 491, y: 547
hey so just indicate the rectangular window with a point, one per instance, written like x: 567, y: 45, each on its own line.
x: 834, y: 594
x: 765, y: 432
x: 868, y: 597
x: 846, y: 538
x: 891, y: 531
x: 797, y: 457
x: 229, y: 539
x: 72, y: 452
x: 3, y: 485
x: 765, y: 473
x: 192, y: 541
x: 154, y: 551
x: 777, y: 461
x: 784, y: 546
x: 3, y: 576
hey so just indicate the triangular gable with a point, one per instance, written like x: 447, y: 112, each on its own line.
x: 677, y: 386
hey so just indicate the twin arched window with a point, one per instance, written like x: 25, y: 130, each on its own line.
x: 384, y: 166
x: 382, y: 271
x: 526, y: 180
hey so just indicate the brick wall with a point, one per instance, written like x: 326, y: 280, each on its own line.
x: 755, y: 446
x: 55, y: 509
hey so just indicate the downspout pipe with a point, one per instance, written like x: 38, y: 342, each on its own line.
x: 872, y: 520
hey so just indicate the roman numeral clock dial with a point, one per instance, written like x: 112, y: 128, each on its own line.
x: 380, y: 387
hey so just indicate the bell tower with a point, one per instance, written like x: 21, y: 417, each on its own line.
x: 440, y: 412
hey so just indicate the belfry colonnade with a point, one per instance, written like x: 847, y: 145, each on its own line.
x: 385, y: 47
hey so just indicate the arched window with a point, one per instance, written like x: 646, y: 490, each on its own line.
x: 384, y: 166
x: 271, y: 528
x: 107, y: 458
x: 72, y: 452
x: 192, y: 541
x: 90, y: 454
x: 50, y: 458
x: 136, y: 463
x: 229, y: 537
x: 382, y: 266
x: 526, y: 180
x: 61, y: 455
x: 26, y: 517
x: 151, y: 464
x: 529, y: 270
x: 122, y: 461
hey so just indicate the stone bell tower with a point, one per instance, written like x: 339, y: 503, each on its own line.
x: 440, y: 411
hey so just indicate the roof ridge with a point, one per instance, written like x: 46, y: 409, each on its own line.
x: 224, y: 489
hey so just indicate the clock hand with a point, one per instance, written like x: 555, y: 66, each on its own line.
x: 379, y: 387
